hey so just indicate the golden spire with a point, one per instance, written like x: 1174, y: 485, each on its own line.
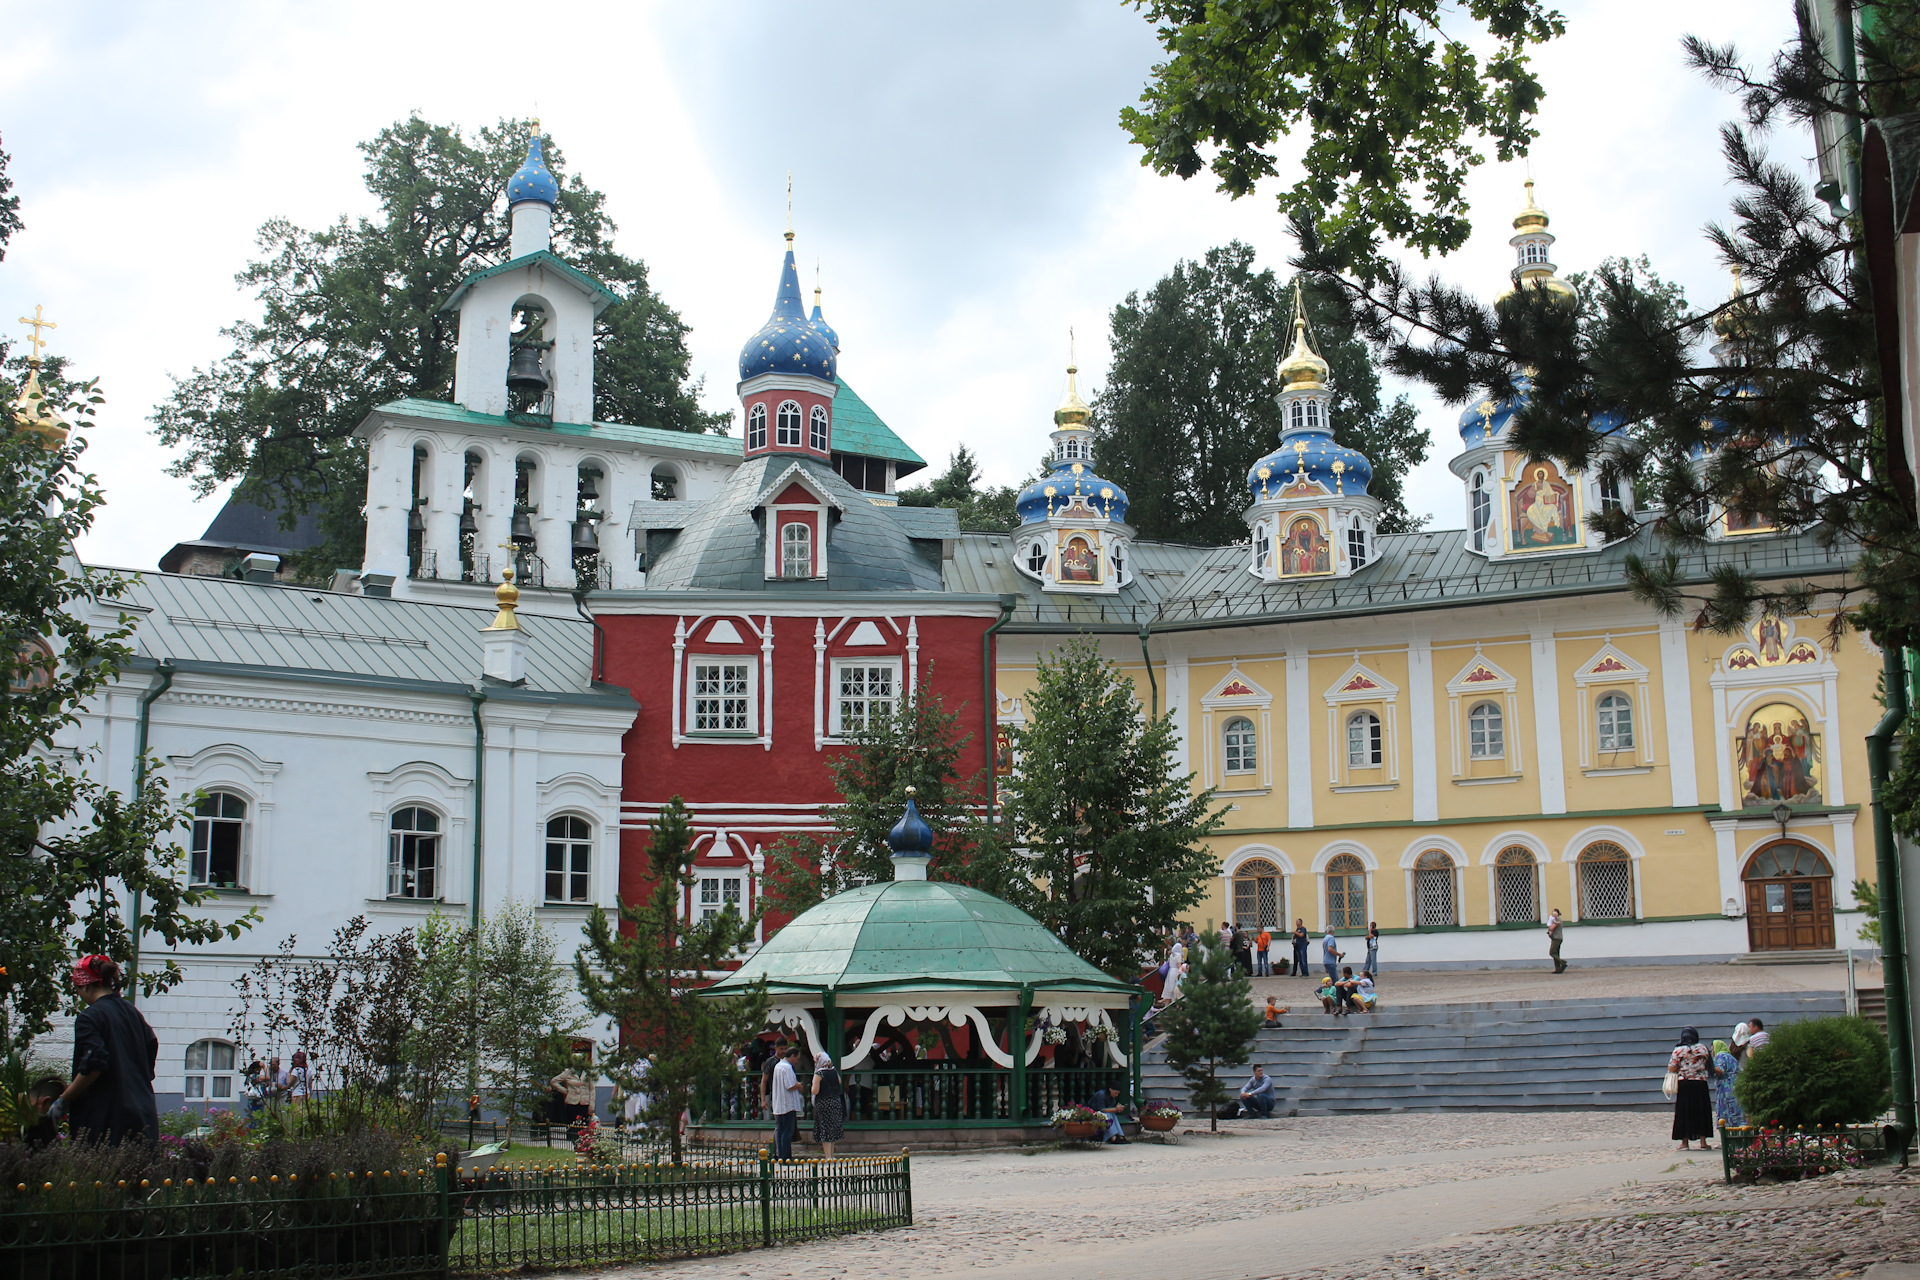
x: 789, y: 208
x: 1302, y: 368
x: 30, y: 411
x: 1533, y: 217
x: 1732, y: 322
x: 506, y: 595
x: 816, y: 284
x: 1073, y: 411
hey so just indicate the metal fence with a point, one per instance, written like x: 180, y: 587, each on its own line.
x: 1752, y: 1153
x: 935, y: 1096
x: 434, y: 1222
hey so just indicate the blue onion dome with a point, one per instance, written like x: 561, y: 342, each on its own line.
x: 911, y: 836
x: 788, y: 342
x: 1487, y: 418
x: 1310, y: 457
x: 532, y: 180
x: 819, y: 322
x: 1057, y: 490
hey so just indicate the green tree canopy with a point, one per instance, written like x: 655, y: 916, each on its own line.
x: 1392, y: 97
x: 1213, y: 1025
x: 351, y: 318
x: 1112, y: 834
x: 1189, y: 403
x: 982, y: 509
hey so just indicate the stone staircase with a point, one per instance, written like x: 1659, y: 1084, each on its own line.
x: 1872, y: 1004
x: 1552, y: 1054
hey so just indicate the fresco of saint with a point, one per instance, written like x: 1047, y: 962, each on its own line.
x: 1079, y: 562
x: 1779, y: 757
x: 1305, y: 550
x: 1769, y: 636
x: 1542, y: 510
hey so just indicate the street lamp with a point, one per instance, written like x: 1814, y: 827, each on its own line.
x: 1783, y: 814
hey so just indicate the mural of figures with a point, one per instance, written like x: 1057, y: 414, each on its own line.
x: 1779, y: 758
x: 1079, y: 562
x: 1746, y: 522
x: 1002, y: 750
x: 1769, y: 636
x: 1304, y: 551
x: 1542, y: 510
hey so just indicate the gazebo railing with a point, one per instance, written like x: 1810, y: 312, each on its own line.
x: 934, y: 1095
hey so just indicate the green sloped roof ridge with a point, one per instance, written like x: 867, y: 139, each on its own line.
x: 858, y: 429
x: 546, y: 258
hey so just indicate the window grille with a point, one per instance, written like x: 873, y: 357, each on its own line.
x: 1606, y: 882
x: 867, y: 692
x: 796, y: 551
x: 717, y: 893
x: 1514, y: 886
x: 722, y: 697
x: 1257, y: 896
x: 1615, y: 716
x: 1433, y: 890
x: 1346, y: 893
x: 1242, y: 750
x: 569, y: 859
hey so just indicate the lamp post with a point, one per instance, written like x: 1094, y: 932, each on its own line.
x: 1783, y: 814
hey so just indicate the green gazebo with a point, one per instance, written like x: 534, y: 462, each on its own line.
x: 955, y: 1018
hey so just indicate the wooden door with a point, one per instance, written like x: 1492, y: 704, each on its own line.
x: 1791, y: 914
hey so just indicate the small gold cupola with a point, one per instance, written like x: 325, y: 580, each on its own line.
x: 30, y: 409
x: 506, y: 595
x: 1073, y: 411
x: 1532, y: 245
x: 1303, y: 369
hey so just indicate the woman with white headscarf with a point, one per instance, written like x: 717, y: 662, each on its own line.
x: 829, y: 1104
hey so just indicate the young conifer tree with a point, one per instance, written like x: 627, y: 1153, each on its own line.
x: 1212, y: 1025
x: 646, y: 973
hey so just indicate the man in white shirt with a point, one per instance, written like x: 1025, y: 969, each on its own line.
x: 786, y: 1105
x: 1759, y: 1037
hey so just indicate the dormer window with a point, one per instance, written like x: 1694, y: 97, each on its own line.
x: 757, y: 427
x: 1610, y: 493
x: 1481, y: 504
x: 1299, y: 415
x: 1262, y: 547
x: 796, y: 550
x: 787, y: 430
x: 817, y: 429
x: 1357, y: 543
x: 1073, y: 448
x: 1532, y: 253
x: 1037, y: 557
x: 1313, y: 415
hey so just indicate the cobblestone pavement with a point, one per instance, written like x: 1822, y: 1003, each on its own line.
x: 1402, y: 987
x: 1333, y: 1198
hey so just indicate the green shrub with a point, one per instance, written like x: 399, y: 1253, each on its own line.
x: 1823, y: 1071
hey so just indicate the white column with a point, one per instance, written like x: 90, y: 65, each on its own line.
x: 556, y: 491
x: 1299, y: 750
x: 1176, y: 681
x: 1426, y: 760
x: 1845, y: 865
x: 1547, y: 753
x: 443, y: 512
x: 1676, y: 692
x: 1836, y: 777
x: 389, y: 487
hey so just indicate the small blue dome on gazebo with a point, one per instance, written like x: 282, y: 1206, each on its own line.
x: 911, y: 837
x: 788, y: 342
x: 532, y: 180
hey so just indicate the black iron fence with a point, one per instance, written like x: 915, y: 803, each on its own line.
x: 1755, y: 1153
x: 435, y: 1222
x: 937, y: 1095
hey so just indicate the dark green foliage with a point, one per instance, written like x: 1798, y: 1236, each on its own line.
x: 981, y: 510
x: 1823, y: 1071
x: 645, y: 973
x: 918, y: 746
x: 1392, y: 96
x: 1212, y: 1025
x: 1189, y: 404
x: 1112, y: 834
x: 351, y: 318
x: 9, y: 206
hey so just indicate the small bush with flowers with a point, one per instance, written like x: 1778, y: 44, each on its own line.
x: 596, y: 1145
x: 1777, y: 1154
x: 1077, y: 1114
x: 1161, y: 1111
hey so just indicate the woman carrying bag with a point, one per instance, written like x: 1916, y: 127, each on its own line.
x: 829, y: 1104
x: 1688, y: 1067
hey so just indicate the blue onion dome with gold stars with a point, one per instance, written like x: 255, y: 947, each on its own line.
x: 819, y: 322
x: 532, y: 180
x: 1486, y: 417
x: 788, y: 341
x: 1071, y: 478
x: 1313, y: 456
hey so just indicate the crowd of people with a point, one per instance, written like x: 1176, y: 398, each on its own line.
x: 1700, y: 1081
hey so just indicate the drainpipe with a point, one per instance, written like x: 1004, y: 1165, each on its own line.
x: 478, y: 696
x: 1146, y: 627
x: 1893, y: 942
x: 599, y: 664
x: 986, y: 697
x: 140, y: 729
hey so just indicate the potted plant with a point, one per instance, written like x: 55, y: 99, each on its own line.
x: 1160, y: 1118
x: 1079, y: 1123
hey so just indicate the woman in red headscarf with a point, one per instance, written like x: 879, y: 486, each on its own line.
x: 114, y: 1051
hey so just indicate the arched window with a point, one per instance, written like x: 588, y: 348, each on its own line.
x: 1482, y: 503
x: 757, y: 427
x: 1610, y: 493
x: 1242, y: 751
x: 1346, y: 893
x: 413, y: 853
x: 817, y: 429
x: 1357, y: 543
x: 1262, y: 546
x: 1313, y: 413
x: 219, y: 840
x: 1298, y: 416
x: 1433, y: 890
x: 1037, y: 557
x: 1614, y: 715
x: 1606, y: 882
x: 209, y: 1075
x: 1117, y: 557
x: 1363, y: 740
x: 666, y: 485
x: 569, y: 858
x: 1785, y: 861
x: 1259, y: 900
x: 1514, y: 885
x: 796, y: 550
x: 1532, y: 253
x: 1486, y: 732
x: 787, y: 430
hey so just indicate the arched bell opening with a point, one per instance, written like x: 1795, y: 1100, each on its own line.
x: 589, y: 510
x: 529, y: 358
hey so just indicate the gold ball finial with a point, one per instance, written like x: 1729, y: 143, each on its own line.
x: 1533, y: 217
x: 507, y: 596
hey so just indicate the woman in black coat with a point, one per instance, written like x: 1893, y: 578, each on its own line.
x: 114, y: 1051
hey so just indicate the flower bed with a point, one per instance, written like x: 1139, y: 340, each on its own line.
x: 1755, y: 1153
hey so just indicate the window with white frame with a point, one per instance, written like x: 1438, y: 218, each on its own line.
x: 1313, y: 413
x: 1243, y: 751
x: 219, y: 837
x: 1037, y: 557
x: 1117, y: 557
x: 1614, y: 716
x: 863, y: 692
x: 796, y: 550
x: 569, y: 859
x: 787, y: 431
x: 1363, y: 740
x: 1073, y: 447
x: 721, y: 696
x: 1482, y: 503
x: 1486, y: 732
x: 1262, y: 546
x: 715, y: 892
x: 1610, y: 493
x: 757, y: 427
x: 1357, y: 543
x: 1533, y: 253
x: 1298, y: 416
x: 209, y: 1075
x: 413, y: 853
x: 817, y: 429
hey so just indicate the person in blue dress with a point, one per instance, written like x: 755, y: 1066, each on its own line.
x: 1726, y: 1108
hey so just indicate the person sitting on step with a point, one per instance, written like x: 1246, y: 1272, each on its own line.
x: 1112, y: 1103
x: 1256, y: 1095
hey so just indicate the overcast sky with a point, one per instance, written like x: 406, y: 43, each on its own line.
x: 958, y: 171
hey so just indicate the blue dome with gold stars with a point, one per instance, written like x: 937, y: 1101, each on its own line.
x: 1071, y: 479
x: 788, y: 342
x: 1486, y: 418
x: 819, y: 322
x: 532, y: 180
x: 1310, y: 456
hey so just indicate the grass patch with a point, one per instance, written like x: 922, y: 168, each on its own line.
x: 638, y: 1233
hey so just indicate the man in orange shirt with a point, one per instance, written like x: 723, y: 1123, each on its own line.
x: 1262, y: 967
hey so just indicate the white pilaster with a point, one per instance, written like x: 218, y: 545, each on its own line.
x: 1676, y: 692
x: 1299, y: 749
x: 1547, y: 752
x: 1426, y: 760
x: 1176, y: 679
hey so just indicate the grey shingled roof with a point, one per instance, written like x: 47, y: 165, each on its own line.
x: 869, y: 548
x: 287, y: 629
x: 1176, y: 586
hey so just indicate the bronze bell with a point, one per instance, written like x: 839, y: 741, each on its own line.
x: 589, y: 491
x: 468, y: 525
x: 416, y: 523
x: 524, y: 372
x: 585, y: 539
x: 522, y: 531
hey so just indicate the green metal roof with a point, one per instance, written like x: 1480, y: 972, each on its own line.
x: 916, y: 935
x: 602, y: 296
x: 440, y: 411
x: 858, y: 429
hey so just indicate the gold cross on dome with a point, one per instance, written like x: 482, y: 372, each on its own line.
x: 39, y: 322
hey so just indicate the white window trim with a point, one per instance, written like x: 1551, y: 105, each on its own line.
x: 426, y: 785
x: 1623, y: 676
x: 1382, y: 697
x: 245, y: 869
x: 1216, y: 708
x: 762, y: 703
x: 1500, y: 727
x: 232, y: 767
x: 819, y: 414
x: 442, y: 854
x: 1463, y: 693
x: 816, y: 519
x: 751, y: 732
x: 759, y: 411
x: 235, y: 1072
x: 595, y: 831
x: 836, y: 731
x: 1379, y: 726
x: 800, y: 429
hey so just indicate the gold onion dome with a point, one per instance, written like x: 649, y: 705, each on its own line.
x: 1734, y: 321
x: 1302, y: 367
x: 1531, y: 218
x: 1073, y: 411
x: 30, y: 412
